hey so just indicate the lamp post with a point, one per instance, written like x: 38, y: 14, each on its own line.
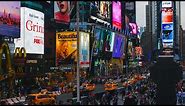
x: 78, y: 66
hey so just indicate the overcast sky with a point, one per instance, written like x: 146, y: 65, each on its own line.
x: 141, y: 13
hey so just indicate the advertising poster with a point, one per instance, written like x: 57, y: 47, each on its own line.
x: 167, y: 15
x: 101, y: 48
x: 84, y: 49
x: 118, y: 49
x: 62, y: 11
x: 167, y: 36
x: 96, y: 47
x: 116, y: 14
x: 109, y: 41
x: 10, y: 18
x: 100, y: 10
x: 32, y: 31
x: 66, y: 48
x: 130, y: 11
x: 133, y: 28
x: 166, y: 4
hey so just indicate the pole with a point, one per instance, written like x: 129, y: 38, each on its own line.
x: 78, y: 76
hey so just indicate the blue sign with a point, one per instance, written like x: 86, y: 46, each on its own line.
x: 167, y: 26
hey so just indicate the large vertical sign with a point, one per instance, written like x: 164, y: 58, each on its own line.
x: 10, y: 18
x: 109, y: 41
x: 167, y: 24
x: 119, y: 45
x: 66, y: 48
x: 116, y: 14
x: 32, y: 28
x: 97, y: 33
x: 84, y: 49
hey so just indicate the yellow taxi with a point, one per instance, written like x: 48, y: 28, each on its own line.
x: 39, y: 99
x: 51, y: 94
x: 110, y: 85
x: 89, y: 86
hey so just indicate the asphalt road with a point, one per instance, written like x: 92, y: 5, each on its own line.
x: 99, y: 88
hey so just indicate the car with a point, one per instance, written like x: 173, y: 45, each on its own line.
x: 110, y: 85
x: 39, y: 99
x: 89, y: 86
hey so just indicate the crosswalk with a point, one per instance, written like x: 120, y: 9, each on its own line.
x: 14, y: 100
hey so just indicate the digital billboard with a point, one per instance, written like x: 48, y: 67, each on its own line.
x: 102, y: 40
x: 100, y: 11
x: 84, y: 49
x: 116, y: 14
x: 32, y: 31
x: 119, y: 45
x: 166, y: 4
x: 167, y: 26
x: 62, y: 11
x: 66, y: 48
x: 167, y: 36
x: 130, y: 11
x: 10, y: 18
x: 133, y: 28
x: 167, y: 15
x: 109, y: 41
x: 97, y: 33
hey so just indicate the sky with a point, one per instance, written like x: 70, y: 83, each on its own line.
x: 141, y: 13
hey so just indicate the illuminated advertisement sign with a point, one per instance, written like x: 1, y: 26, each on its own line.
x: 96, y: 47
x: 32, y: 31
x: 167, y: 26
x: 167, y: 36
x: 118, y: 49
x: 101, y: 47
x: 166, y: 4
x: 62, y: 11
x: 116, y: 14
x: 109, y: 41
x: 66, y: 48
x: 100, y: 11
x: 133, y: 28
x: 130, y: 11
x: 167, y: 15
x: 10, y: 18
x: 84, y: 49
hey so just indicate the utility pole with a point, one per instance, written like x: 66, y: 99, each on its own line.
x: 78, y: 66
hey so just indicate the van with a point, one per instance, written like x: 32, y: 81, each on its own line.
x: 39, y: 99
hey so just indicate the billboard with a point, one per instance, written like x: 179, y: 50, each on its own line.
x: 166, y: 4
x: 33, y: 30
x: 167, y: 36
x: 167, y: 26
x: 84, y: 49
x: 96, y: 47
x: 10, y: 18
x: 167, y: 15
x: 66, y: 48
x: 130, y: 11
x: 116, y: 14
x: 119, y: 45
x: 62, y: 11
x: 100, y: 10
x: 109, y: 41
x: 133, y: 28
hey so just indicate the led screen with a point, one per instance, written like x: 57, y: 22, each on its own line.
x: 62, y: 11
x: 10, y: 18
x: 96, y: 47
x: 116, y: 14
x: 133, y: 28
x: 167, y: 15
x: 32, y: 31
x: 118, y: 49
x: 100, y: 10
x: 109, y: 41
x: 84, y: 49
x: 130, y: 11
x: 66, y: 48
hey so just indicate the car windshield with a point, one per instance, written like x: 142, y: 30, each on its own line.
x: 30, y: 97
